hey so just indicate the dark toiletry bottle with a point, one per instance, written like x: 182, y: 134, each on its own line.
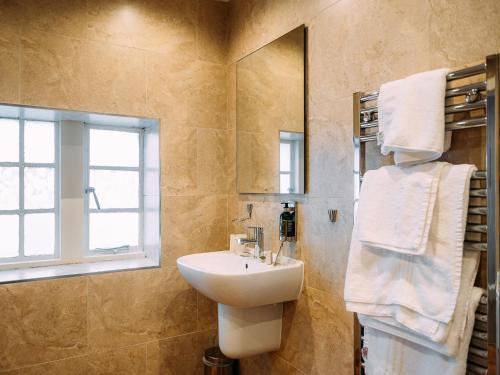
x: 287, y: 222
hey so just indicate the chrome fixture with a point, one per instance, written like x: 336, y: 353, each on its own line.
x: 257, y: 241
x: 332, y: 214
x: 249, y: 213
x: 478, y: 107
x: 277, y: 255
x: 473, y: 96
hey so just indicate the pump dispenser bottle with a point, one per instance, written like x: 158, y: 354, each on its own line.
x: 287, y: 222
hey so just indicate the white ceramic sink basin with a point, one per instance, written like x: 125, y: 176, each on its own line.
x: 243, y: 282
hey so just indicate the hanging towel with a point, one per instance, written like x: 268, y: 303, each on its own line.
x: 396, y: 206
x: 419, y: 292
x: 391, y: 355
x: 411, y: 117
x: 450, y: 335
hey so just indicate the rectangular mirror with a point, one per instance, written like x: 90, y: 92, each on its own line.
x: 270, y: 117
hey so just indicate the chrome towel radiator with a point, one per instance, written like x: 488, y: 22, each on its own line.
x: 472, y: 112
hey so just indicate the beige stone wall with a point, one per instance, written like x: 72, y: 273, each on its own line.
x: 155, y: 58
x: 167, y: 59
x: 354, y: 45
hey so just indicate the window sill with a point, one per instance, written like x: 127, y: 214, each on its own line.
x: 80, y: 269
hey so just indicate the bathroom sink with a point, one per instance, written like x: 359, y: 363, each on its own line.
x: 243, y: 282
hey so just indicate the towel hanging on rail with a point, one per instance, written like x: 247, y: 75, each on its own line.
x: 411, y: 117
x: 396, y: 206
x: 391, y: 355
x: 451, y: 334
x: 380, y: 282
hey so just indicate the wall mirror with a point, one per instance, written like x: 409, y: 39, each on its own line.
x: 270, y: 117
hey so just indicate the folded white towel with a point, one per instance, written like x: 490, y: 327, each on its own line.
x: 391, y: 355
x: 411, y: 117
x: 419, y: 292
x: 396, y: 206
x: 450, y: 335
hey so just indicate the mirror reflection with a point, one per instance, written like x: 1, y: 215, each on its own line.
x: 270, y: 117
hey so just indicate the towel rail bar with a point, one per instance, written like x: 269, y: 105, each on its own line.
x: 482, y: 309
x: 451, y: 125
x: 475, y: 122
x: 478, y: 211
x: 464, y: 107
x: 459, y: 74
x: 472, y: 104
x: 480, y: 335
x: 480, y: 246
x: 466, y: 89
x: 476, y: 370
x: 449, y: 109
x: 480, y: 361
x: 479, y: 352
x: 479, y: 175
x: 478, y: 193
x: 477, y: 228
x: 482, y: 317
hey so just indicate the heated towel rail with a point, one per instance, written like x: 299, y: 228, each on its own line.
x: 472, y: 101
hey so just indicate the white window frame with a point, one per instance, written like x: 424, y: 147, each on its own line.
x: 113, y: 253
x: 293, y: 157
x: 21, y: 211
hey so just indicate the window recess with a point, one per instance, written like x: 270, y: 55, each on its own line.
x: 79, y: 193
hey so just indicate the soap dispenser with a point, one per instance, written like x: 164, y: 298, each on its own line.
x: 287, y: 222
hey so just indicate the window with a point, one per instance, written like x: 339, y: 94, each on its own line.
x: 29, y: 205
x: 77, y: 193
x: 286, y: 161
x: 114, y: 191
x: 291, y: 166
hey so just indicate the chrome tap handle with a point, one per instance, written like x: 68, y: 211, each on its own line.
x: 257, y: 231
x: 258, y: 236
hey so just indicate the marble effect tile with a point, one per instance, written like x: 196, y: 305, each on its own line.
x: 186, y: 92
x: 179, y: 159
x: 203, y: 228
x: 10, y: 56
x: 113, y: 86
x: 52, y: 71
x: 456, y: 38
x: 267, y: 364
x: 126, y: 361
x: 317, y: 331
x: 207, y: 313
x: 181, y: 354
x: 212, y: 31
x: 213, y: 160
x: 166, y: 26
x: 158, y: 303
x: 42, y: 321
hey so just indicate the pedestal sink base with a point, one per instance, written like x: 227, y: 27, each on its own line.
x: 244, y: 332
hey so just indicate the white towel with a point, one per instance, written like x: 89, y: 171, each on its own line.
x: 391, y: 355
x: 396, y: 206
x: 451, y: 334
x: 411, y: 117
x: 386, y: 283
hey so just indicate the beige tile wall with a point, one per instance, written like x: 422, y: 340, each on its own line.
x: 354, y: 45
x: 155, y: 58
x: 169, y: 59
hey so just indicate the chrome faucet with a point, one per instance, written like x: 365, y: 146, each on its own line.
x: 257, y: 241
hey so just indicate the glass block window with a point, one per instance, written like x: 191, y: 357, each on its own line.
x: 29, y: 194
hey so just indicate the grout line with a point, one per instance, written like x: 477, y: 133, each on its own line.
x: 106, y: 350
